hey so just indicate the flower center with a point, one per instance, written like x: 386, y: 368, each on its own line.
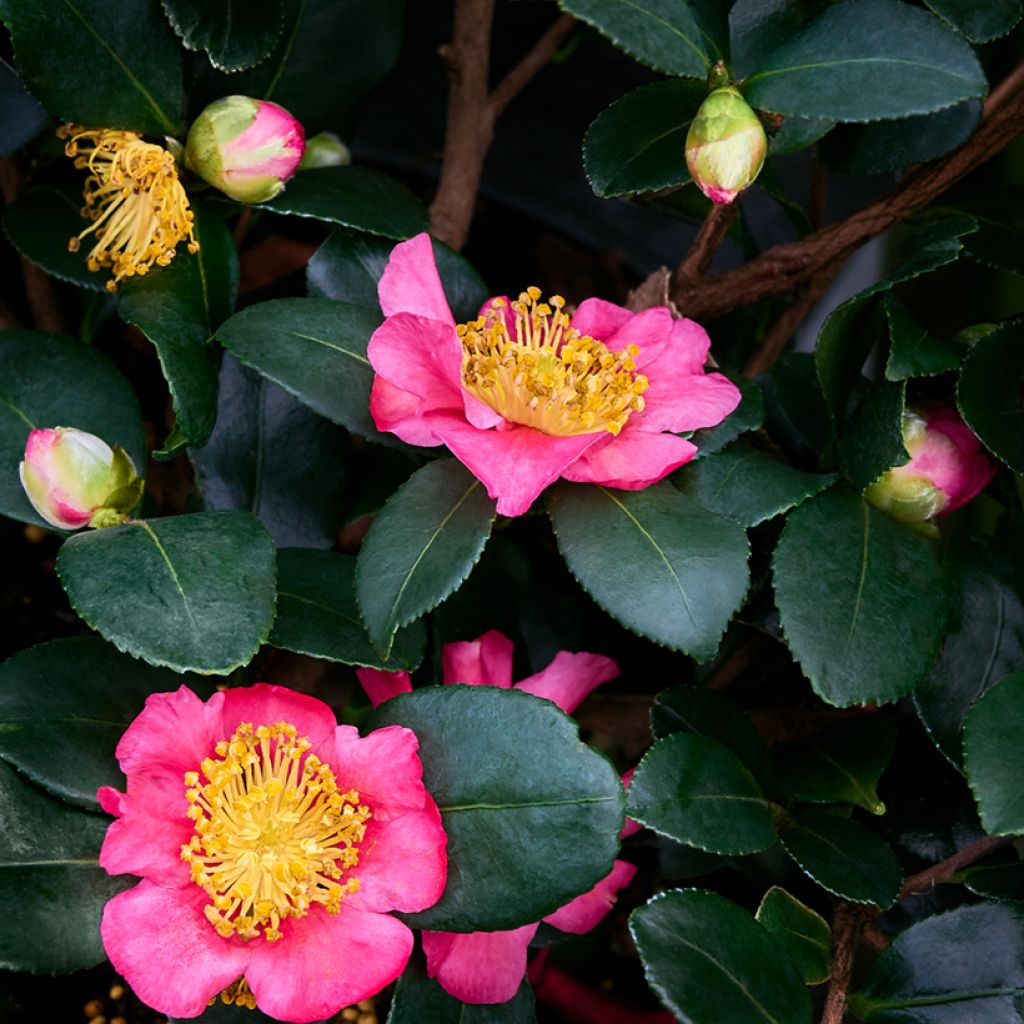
x: 542, y: 373
x: 133, y: 196
x: 273, y: 835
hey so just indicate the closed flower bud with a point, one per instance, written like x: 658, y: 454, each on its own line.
x: 947, y: 468
x: 725, y: 146
x: 75, y: 479
x: 246, y: 148
x: 325, y: 150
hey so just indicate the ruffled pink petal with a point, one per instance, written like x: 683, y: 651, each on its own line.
x: 396, y: 411
x: 479, y: 967
x: 410, y: 282
x: 569, y: 678
x: 685, y: 401
x: 634, y: 460
x: 143, y: 843
x: 600, y: 319
x: 584, y: 912
x: 486, y: 661
x: 689, y: 345
x: 649, y: 331
x: 264, y: 704
x: 381, y: 685
x: 325, y: 962
x: 159, y: 941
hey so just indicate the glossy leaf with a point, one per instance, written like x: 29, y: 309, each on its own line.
x: 980, y: 22
x: 795, y: 408
x: 22, y: 116
x: 194, y: 593
x: 758, y: 27
x: 996, y: 881
x: 873, y: 439
x: 999, y: 241
x: 861, y: 600
x: 797, y: 133
x: 748, y: 415
x: 317, y: 613
x: 234, y: 36
x: 803, y: 935
x: 518, y: 793
x: 913, y: 352
x: 711, y: 963
x: 687, y: 567
x: 421, y: 547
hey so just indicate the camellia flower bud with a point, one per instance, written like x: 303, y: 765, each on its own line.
x: 75, y: 479
x: 725, y: 146
x: 246, y: 148
x: 325, y: 150
x: 947, y: 468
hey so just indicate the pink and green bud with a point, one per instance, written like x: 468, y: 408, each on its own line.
x: 947, y: 468
x: 75, y: 479
x: 725, y: 146
x: 325, y: 150
x: 246, y: 148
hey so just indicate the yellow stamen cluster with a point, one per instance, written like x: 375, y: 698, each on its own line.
x: 237, y: 993
x: 540, y: 372
x: 133, y: 197
x: 273, y: 834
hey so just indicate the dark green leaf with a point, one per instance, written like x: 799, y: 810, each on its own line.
x: 850, y: 64
x: 194, y: 593
x: 913, y: 352
x: 101, y: 64
x: 844, y: 341
x: 991, y: 393
x: 996, y: 881
x: 421, y: 547
x: 797, y: 133
x: 47, y: 380
x: 49, y: 872
x: 999, y: 240
x: 178, y: 308
x: 687, y: 568
x: 234, y: 36
x: 698, y: 792
x: 711, y: 963
x: 980, y: 22
x: 22, y: 116
x: 748, y: 485
x: 994, y: 757
x: 748, y: 415
x: 845, y: 858
x: 348, y: 266
x: 639, y: 143
x: 316, y: 350
x: 794, y: 404
x: 804, y: 936
x: 933, y: 243
x: 861, y: 600
x: 964, y: 967
x: 317, y: 613
x: 354, y: 197
x: 873, y: 441
x: 758, y: 27
x: 518, y: 793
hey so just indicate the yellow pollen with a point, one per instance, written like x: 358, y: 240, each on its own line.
x: 538, y: 371
x: 273, y: 834
x: 133, y: 197
x: 237, y: 993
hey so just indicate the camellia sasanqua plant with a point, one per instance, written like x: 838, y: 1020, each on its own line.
x: 511, y: 512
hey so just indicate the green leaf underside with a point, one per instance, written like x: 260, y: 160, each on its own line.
x: 317, y: 613
x: 913, y: 352
x: 873, y: 440
x: 805, y: 937
x: 979, y: 22
x: 518, y: 793
x: 47, y: 380
x: 421, y: 547
x: 997, y: 881
x: 861, y: 600
x: 234, y: 36
x: 687, y: 567
x: 845, y: 858
x: 696, y: 791
x: 22, y: 116
x: 711, y: 963
x: 194, y: 592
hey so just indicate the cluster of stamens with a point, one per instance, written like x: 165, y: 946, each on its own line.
x: 133, y: 197
x: 530, y: 366
x: 273, y: 833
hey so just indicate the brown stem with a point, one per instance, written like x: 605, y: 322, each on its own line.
x: 737, y: 663
x: 846, y: 929
x: 925, y: 881
x: 702, y: 252
x: 544, y: 49
x: 819, y: 193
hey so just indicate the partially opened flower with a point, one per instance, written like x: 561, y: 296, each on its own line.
x: 488, y: 967
x: 273, y: 845
x: 526, y: 394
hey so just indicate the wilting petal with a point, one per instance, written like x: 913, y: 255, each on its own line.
x: 634, y: 460
x: 486, y: 661
x: 479, y: 967
x: 569, y: 678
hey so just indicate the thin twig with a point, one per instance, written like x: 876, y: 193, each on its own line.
x: 925, y: 881
x: 737, y: 662
x: 544, y: 49
x: 702, y: 252
x: 819, y: 194
x: 846, y: 929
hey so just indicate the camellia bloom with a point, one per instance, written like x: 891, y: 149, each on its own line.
x: 273, y: 845
x: 133, y: 196
x: 75, y: 479
x: 526, y: 394
x: 247, y: 148
x: 947, y: 468
x: 488, y: 967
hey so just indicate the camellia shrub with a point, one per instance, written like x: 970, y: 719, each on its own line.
x: 512, y: 511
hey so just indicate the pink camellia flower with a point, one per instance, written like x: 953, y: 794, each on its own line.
x: 247, y: 148
x: 488, y: 967
x: 526, y: 394
x: 273, y: 845
x: 947, y: 468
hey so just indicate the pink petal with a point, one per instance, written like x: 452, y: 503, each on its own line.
x: 397, y: 411
x: 480, y: 967
x: 689, y: 344
x: 649, y: 331
x: 584, y: 912
x: 569, y: 678
x: 325, y: 962
x: 410, y: 282
x: 159, y: 941
x: 486, y: 661
x: 143, y: 843
x: 679, y: 399
x: 264, y: 704
x: 381, y: 685
x: 600, y: 319
x: 634, y: 460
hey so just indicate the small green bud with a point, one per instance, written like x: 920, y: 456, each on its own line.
x: 325, y: 150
